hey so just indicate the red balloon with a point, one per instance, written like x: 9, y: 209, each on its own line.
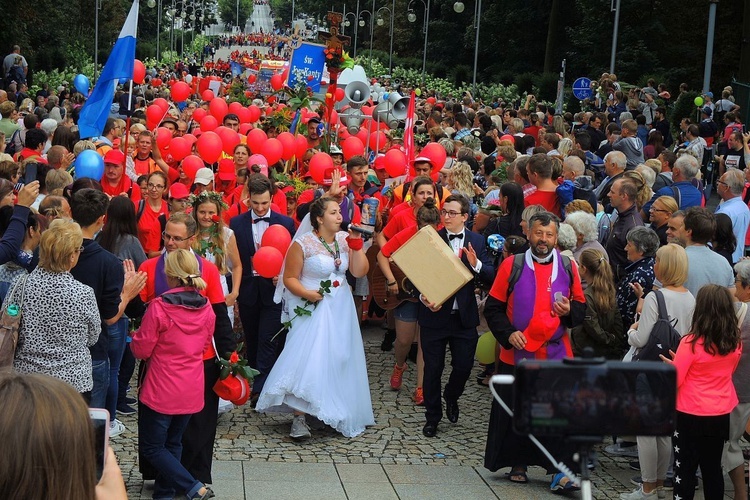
x: 271, y: 99
x: 277, y: 81
x: 301, y: 146
x: 363, y: 135
x: 377, y: 141
x: 180, y: 91
x: 156, y: 82
x: 277, y: 237
x: 267, y: 261
x: 229, y: 139
x: 179, y: 148
x: 273, y: 150
x: 254, y: 113
x: 235, y: 107
x: 191, y: 138
x: 352, y: 146
x: 334, y: 117
x: 209, y: 123
x: 395, y: 162
x: 139, y: 72
x: 431, y: 100
x: 163, y: 137
x: 289, y: 144
x: 191, y: 164
x: 154, y: 114
x: 436, y: 153
x: 344, y: 134
x: 339, y: 94
x: 209, y: 147
x: 243, y: 114
x: 162, y: 103
x: 252, y: 78
x: 367, y: 110
x: 245, y: 128
x: 207, y: 95
x: 255, y: 140
x: 198, y: 114
x: 319, y: 163
x: 218, y: 108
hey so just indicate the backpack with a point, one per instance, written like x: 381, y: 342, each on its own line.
x: 518, y: 263
x: 663, y: 336
x: 10, y: 146
x: 16, y: 74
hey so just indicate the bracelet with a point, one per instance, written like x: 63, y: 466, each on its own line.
x: 391, y: 283
x: 355, y: 243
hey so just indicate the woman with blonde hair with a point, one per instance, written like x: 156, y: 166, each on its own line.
x: 602, y: 327
x: 661, y: 211
x: 56, y: 180
x: 175, y: 331
x: 565, y: 146
x: 644, y: 191
x: 60, y: 316
x: 671, y: 269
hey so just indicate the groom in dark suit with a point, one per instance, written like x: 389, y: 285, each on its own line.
x: 261, y: 317
x: 455, y: 322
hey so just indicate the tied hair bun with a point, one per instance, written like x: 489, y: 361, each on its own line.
x: 430, y: 203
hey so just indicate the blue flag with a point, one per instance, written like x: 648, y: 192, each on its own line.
x: 95, y: 111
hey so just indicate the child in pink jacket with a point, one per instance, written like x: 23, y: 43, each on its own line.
x: 175, y: 331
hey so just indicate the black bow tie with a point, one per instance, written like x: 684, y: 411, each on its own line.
x: 460, y: 236
x: 263, y: 219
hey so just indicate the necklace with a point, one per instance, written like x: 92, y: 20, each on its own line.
x: 336, y: 253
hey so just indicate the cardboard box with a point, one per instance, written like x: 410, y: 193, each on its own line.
x: 430, y: 264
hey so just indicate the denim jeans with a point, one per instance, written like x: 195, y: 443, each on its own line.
x: 117, y: 334
x: 100, y: 373
x: 127, y: 368
x: 161, y: 442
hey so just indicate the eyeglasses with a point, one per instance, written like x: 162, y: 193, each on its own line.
x: 659, y: 210
x: 722, y: 182
x: 450, y: 213
x: 79, y: 249
x: 176, y: 239
x: 154, y: 186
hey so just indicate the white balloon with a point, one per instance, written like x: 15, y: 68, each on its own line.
x: 188, y: 78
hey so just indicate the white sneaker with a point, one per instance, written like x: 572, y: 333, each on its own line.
x: 638, y: 494
x: 116, y: 428
x: 300, y: 429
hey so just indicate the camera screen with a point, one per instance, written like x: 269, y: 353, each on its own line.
x: 100, y: 438
x: 552, y: 398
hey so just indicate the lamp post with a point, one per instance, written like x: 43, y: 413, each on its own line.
x: 362, y: 25
x: 614, y: 36
x: 152, y: 4
x: 348, y: 23
x: 412, y: 17
x: 458, y: 7
x: 380, y: 22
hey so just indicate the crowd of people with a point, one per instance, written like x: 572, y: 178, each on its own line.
x: 575, y: 228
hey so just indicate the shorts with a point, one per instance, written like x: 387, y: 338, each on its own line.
x: 407, y: 312
x: 732, y: 456
x: 361, y: 287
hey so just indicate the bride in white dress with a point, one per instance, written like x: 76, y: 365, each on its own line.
x: 322, y: 370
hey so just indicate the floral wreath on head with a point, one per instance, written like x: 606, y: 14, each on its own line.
x: 207, y: 196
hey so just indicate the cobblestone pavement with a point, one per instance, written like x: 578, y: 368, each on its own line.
x: 250, y: 438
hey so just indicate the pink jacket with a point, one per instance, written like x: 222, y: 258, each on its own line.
x: 704, y: 381
x: 176, y: 329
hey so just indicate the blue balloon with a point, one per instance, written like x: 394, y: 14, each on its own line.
x: 82, y: 84
x: 89, y: 164
x: 123, y: 81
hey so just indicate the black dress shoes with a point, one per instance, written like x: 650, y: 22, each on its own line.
x: 429, y: 429
x: 451, y: 411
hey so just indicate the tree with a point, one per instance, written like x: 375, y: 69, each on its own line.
x: 235, y: 12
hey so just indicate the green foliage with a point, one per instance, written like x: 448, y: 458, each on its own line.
x: 684, y: 107
x: 235, y: 12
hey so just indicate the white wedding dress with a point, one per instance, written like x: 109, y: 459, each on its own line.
x: 322, y: 370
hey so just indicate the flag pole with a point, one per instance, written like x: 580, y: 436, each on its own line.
x: 127, y: 123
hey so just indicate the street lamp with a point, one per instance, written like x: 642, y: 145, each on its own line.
x: 458, y: 7
x: 152, y: 4
x: 412, y: 16
x: 348, y: 23
x: 380, y: 21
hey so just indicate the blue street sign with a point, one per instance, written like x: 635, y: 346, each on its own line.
x: 309, y: 59
x: 582, y: 88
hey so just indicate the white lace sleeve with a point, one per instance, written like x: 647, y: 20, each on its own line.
x: 341, y: 237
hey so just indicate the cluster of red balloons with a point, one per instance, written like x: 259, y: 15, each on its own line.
x: 269, y: 258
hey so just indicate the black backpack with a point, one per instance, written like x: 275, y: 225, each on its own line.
x: 663, y: 336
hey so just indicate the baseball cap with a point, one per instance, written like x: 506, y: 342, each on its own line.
x: 422, y: 159
x: 204, y: 176
x: 226, y: 170
x: 336, y: 151
x: 313, y: 119
x: 379, y: 162
x: 327, y: 176
x: 114, y: 156
x: 178, y: 191
x: 709, y: 94
x: 706, y: 111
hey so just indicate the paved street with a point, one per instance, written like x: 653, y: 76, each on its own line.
x: 256, y: 459
x: 261, y: 18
